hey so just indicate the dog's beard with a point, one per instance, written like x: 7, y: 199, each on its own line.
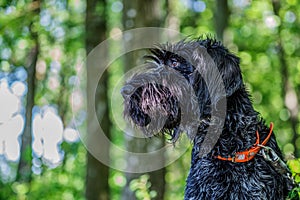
x: 154, y: 109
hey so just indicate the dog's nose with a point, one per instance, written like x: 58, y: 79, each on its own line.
x: 127, y: 91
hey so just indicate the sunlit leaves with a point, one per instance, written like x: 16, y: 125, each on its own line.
x: 294, y: 165
x: 141, y: 187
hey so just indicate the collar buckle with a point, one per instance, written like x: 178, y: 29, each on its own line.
x: 249, y: 154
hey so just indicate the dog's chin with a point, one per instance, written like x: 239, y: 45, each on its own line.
x: 155, y: 123
x: 140, y: 120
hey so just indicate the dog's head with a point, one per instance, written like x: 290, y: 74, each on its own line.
x: 181, y: 86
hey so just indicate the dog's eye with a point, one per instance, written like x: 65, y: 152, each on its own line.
x: 174, y: 63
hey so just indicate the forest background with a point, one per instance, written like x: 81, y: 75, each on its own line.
x: 43, y: 80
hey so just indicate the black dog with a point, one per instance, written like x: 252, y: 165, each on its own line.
x: 197, y: 87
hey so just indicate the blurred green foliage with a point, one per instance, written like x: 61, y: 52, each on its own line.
x: 141, y: 187
x: 294, y: 165
x: 64, y: 182
x: 253, y: 33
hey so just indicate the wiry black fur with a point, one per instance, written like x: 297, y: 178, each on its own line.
x: 209, y: 177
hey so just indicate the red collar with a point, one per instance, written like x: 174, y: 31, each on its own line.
x: 248, y: 154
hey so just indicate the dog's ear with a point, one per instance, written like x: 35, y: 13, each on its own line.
x: 231, y: 73
x: 227, y: 63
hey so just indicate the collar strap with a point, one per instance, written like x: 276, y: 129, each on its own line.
x: 248, y: 154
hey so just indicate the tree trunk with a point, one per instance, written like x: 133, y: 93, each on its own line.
x: 148, y: 14
x: 97, y: 173
x: 221, y: 17
x: 172, y: 20
x: 24, y: 167
x: 288, y: 91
